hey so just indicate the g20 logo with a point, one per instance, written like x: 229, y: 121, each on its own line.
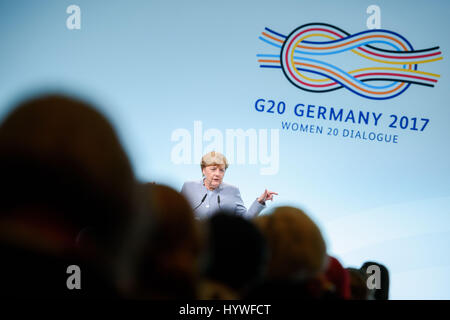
x: 304, y: 56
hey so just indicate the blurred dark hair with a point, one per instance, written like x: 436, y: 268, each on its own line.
x: 383, y: 292
x: 59, y: 153
x: 167, y: 246
x: 358, y: 286
x: 238, y: 251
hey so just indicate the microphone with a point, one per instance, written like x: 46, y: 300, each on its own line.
x: 203, y: 199
x: 218, y: 201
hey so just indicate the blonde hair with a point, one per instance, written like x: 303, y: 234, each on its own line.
x: 213, y: 158
x: 297, y: 247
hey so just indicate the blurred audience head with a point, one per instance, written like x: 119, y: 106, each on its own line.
x: 378, y: 275
x: 338, y: 277
x: 63, y: 170
x: 358, y: 286
x: 167, y: 247
x: 237, y: 252
x: 297, y: 248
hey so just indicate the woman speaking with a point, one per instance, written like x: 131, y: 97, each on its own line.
x: 211, y: 194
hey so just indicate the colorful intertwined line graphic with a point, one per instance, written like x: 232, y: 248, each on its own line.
x: 395, y: 62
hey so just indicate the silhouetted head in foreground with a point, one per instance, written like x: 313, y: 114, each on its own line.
x: 338, y: 277
x: 358, y: 286
x: 297, y: 254
x: 378, y: 276
x: 238, y: 252
x: 63, y: 171
x: 166, y: 248
x: 296, y: 244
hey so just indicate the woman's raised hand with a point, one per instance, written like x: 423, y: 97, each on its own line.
x: 267, y: 195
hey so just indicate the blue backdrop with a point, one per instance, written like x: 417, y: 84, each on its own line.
x: 178, y: 78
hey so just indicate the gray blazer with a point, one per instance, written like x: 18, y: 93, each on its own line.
x: 230, y: 200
